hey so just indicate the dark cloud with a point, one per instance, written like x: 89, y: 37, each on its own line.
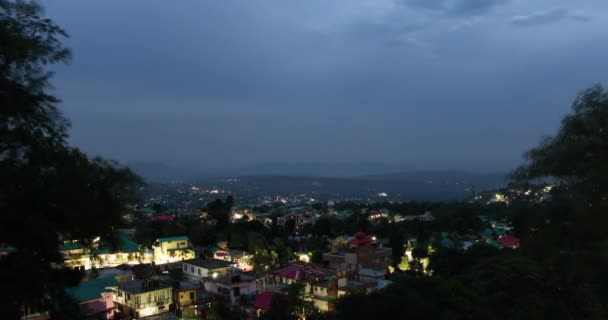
x: 462, y: 8
x: 547, y: 17
x: 210, y: 83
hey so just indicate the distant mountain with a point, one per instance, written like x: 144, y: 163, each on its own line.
x: 341, y: 170
x: 469, y: 179
x: 159, y: 173
x: 351, y: 187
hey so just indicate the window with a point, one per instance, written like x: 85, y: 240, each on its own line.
x: 128, y: 296
x: 192, y: 269
x: 191, y: 295
x: 182, y: 243
x: 181, y: 296
x: 185, y: 268
x: 236, y: 291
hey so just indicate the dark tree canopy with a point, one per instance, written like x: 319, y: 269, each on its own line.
x: 49, y: 191
x: 578, y: 153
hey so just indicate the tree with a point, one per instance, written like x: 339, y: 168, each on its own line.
x: 397, y: 248
x: 220, y: 211
x: 49, y: 191
x: 157, y: 207
x: 578, y: 153
x: 290, y: 226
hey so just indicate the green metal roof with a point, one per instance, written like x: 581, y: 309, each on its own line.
x: 169, y: 239
x: 384, y: 210
x: 345, y: 212
x: 71, y: 246
x: 260, y: 214
x: 487, y: 232
x: 500, y: 231
x: 91, y: 290
x: 125, y: 244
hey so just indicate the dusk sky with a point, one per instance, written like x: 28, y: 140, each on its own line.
x: 424, y: 84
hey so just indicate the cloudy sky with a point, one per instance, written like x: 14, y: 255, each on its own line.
x: 426, y: 84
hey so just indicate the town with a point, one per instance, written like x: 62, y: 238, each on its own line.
x: 303, y: 160
x: 193, y: 263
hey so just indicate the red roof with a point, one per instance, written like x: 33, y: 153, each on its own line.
x: 509, y: 241
x: 299, y: 271
x: 163, y: 217
x: 262, y: 300
x: 360, y: 238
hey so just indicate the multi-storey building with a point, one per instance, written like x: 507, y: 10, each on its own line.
x: 142, y: 298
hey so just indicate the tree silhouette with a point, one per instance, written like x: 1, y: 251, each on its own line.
x: 49, y: 191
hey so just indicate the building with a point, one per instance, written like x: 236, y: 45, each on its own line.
x: 232, y: 286
x: 106, y: 255
x: 314, y: 279
x: 324, y: 294
x: 262, y: 302
x: 95, y: 297
x: 75, y: 255
x: 371, y: 275
x: 198, y: 270
x: 142, y: 298
x: 242, y: 259
x: 172, y: 249
x: 359, y: 252
x: 186, y: 294
x: 124, y: 251
x: 508, y: 241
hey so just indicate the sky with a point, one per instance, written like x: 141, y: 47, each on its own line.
x: 422, y: 84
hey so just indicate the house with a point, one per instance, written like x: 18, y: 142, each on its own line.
x: 352, y: 286
x: 172, y: 249
x: 186, y: 294
x: 262, y: 302
x: 371, y: 275
x: 232, y: 286
x: 307, y: 274
x: 324, y: 294
x: 75, y: 255
x: 198, y: 270
x: 344, y: 214
x: 142, y: 298
x: 124, y: 251
x: 374, y: 215
x: 359, y: 252
x: 95, y: 297
x: 509, y: 241
x: 121, y: 273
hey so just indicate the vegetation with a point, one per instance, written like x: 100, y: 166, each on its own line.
x: 49, y: 191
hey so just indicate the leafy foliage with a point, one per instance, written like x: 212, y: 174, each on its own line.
x: 49, y: 191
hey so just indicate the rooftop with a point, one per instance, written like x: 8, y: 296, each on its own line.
x: 139, y: 286
x: 234, y: 278
x: 263, y: 300
x: 209, y: 263
x: 185, y: 285
x: 169, y: 239
x: 371, y: 272
x: 91, y: 290
x: 357, y: 286
x: 301, y: 271
x: 123, y: 244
